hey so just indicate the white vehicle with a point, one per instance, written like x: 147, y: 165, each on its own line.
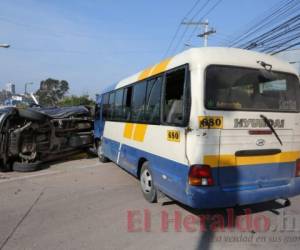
x: 210, y: 127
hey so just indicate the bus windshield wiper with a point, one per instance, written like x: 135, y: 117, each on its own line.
x: 266, y: 120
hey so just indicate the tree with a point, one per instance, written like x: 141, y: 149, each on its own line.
x: 52, y: 91
x: 74, y: 100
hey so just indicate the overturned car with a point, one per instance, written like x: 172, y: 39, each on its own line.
x: 32, y: 136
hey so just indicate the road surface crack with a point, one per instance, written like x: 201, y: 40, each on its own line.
x: 22, y: 219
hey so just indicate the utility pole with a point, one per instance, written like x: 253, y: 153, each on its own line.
x: 206, y: 32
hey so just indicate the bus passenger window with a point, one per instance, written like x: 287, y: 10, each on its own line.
x: 138, y: 102
x: 153, y: 97
x: 127, y: 103
x: 105, y: 106
x: 173, y: 99
x: 118, y: 110
x: 111, y: 105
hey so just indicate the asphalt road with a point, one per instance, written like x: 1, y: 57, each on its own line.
x: 83, y: 204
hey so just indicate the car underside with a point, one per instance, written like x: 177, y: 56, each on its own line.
x: 32, y: 136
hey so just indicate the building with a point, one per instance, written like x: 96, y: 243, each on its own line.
x: 10, y: 87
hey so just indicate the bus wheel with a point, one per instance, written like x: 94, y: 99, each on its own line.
x: 146, y: 180
x: 101, y: 157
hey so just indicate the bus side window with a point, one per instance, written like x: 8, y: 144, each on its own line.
x: 138, y: 102
x: 174, y: 97
x: 153, y: 99
x: 127, y: 103
x: 111, y: 105
x: 118, y: 109
x: 105, y: 106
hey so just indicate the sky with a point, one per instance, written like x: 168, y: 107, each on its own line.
x: 95, y: 43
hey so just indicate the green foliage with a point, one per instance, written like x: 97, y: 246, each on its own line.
x: 52, y: 91
x: 76, y: 101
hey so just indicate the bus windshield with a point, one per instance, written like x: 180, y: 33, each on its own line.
x: 238, y: 88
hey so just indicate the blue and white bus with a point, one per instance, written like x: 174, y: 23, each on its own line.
x: 209, y: 127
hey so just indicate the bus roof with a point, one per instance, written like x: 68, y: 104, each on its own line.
x: 202, y: 57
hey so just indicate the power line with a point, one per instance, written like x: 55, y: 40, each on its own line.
x: 261, y: 23
x: 205, y: 15
x: 280, y: 12
x: 276, y: 32
x: 179, y: 26
x: 286, y: 48
x: 192, y: 9
x: 274, y: 48
x: 282, y: 37
x: 206, y: 32
x: 180, y: 41
x: 253, y: 23
x: 271, y: 22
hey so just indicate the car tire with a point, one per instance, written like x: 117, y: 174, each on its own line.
x: 147, y: 183
x: 26, y: 167
x: 31, y: 114
x: 101, y: 156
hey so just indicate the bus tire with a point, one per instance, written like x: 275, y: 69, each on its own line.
x: 147, y: 184
x: 101, y: 156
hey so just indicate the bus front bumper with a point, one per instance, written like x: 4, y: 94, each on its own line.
x: 216, y: 196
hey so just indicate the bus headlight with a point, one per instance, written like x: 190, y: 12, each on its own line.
x: 200, y: 175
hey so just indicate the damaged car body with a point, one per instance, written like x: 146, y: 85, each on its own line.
x: 32, y: 136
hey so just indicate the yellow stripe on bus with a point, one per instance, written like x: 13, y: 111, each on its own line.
x: 128, y: 130
x: 161, y: 67
x: 145, y: 74
x: 156, y: 69
x: 232, y: 160
x: 139, y: 132
x: 135, y: 132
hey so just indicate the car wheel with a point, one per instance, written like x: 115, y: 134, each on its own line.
x: 101, y: 156
x: 27, y: 167
x: 31, y: 114
x: 147, y: 184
